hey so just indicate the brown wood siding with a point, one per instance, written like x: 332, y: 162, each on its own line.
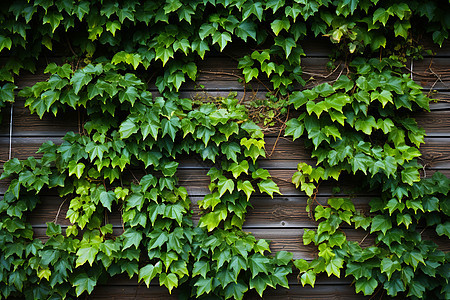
x: 282, y: 219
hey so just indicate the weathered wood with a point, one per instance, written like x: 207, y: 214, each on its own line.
x: 196, y: 183
x: 287, y: 239
x: 286, y: 154
x: 222, y: 74
x: 290, y: 239
x: 436, y: 123
x: 295, y: 292
x: 279, y: 212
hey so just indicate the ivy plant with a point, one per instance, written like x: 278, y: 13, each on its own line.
x: 122, y: 64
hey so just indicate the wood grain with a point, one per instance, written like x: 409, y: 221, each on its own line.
x: 436, y: 123
x: 290, y: 239
x: 286, y: 154
x: 279, y: 212
x: 296, y: 292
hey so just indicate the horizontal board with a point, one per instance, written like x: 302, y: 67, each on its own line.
x: 279, y: 212
x: 295, y: 292
x: 290, y: 239
x: 282, y: 153
x: 222, y: 74
x: 196, y: 183
x: 436, y: 123
x: 287, y: 239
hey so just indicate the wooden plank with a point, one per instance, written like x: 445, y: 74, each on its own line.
x: 289, y: 239
x: 131, y: 292
x: 222, y: 74
x: 319, y: 292
x: 436, y: 123
x: 196, y: 183
x: 286, y: 155
x: 286, y: 239
x: 322, y: 279
x: 279, y: 212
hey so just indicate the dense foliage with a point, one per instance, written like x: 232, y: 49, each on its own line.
x: 103, y: 56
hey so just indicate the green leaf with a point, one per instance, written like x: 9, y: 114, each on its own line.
x: 298, y: 99
x: 358, y: 270
x: 169, y: 280
x: 200, y: 268
x: 286, y: 44
x: 309, y: 277
x: 394, y: 286
x: 401, y: 28
x: 380, y: 15
x: 149, y: 272
x: 235, y: 290
x: 5, y: 42
x: 204, y: 285
x: 246, y: 187
x: 206, y: 30
x: 80, y: 79
x: 221, y: 38
x: 170, y: 127
x: 258, y: 264
x: 378, y: 41
x: 113, y: 26
x: 443, y: 229
x: 246, y: 29
x: 284, y: 257
x: 279, y: 25
x: 53, y: 18
x: 230, y: 150
x: 260, y: 283
x: 53, y: 229
x: 225, y: 185
x: 410, y: 175
x: 163, y: 54
x: 334, y: 266
x: 389, y: 266
x: 86, y: 254
x: 76, y: 169
x: 367, y: 286
x: 131, y: 237
x: 169, y: 169
x: 238, y: 169
x: 294, y: 128
x: 360, y: 162
x: 127, y: 128
x: 107, y: 198
x: 381, y: 223
x: 269, y: 187
x: 83, y: 282
x: 250, y: 73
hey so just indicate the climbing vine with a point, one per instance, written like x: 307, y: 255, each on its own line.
x: 102, y: 58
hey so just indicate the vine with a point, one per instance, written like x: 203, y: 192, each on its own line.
x: 102, y: 57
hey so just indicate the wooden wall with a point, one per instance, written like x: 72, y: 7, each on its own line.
x: 282, y: 219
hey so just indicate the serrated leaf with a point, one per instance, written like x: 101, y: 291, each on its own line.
x: 149, y: 272
x: 294, y: 128
x: 84, y: 283
x: 365, y: 285
x: 225, y: 185
x: 269, y: 187
x: 309, y: 277
x: 246, y: 187
x: 168, y: 280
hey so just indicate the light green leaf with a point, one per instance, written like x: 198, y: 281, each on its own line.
x: 269, y: 187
